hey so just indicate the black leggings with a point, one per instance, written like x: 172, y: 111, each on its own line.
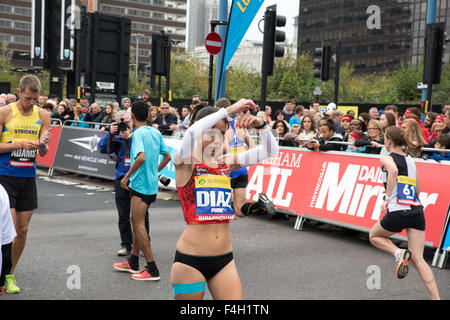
x: 6, y: 262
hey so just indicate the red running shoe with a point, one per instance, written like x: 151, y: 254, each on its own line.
x: 145, y: 275
x: 124, y: 267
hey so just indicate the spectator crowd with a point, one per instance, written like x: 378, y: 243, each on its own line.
x: 294, y: 125
x: 332, y: 130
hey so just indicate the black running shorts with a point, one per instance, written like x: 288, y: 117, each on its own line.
x: 148, y: 199
x: 22, y: 192
x: 239, y: 182
x: 397, y: 221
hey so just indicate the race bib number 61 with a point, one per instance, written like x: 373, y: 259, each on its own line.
x: 406, y: 191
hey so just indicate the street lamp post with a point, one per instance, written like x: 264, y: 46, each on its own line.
x: 137, y: 35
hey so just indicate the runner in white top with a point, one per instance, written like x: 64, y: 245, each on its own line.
x: 403, y: 210
x: 7, y: 235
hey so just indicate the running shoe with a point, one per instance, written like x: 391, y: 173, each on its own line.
x: 402, y: 263
x: 124, y: 267
x: 10, y: 284
x: 266, y: 205
x: 123, y: 252
x: 145, y: 275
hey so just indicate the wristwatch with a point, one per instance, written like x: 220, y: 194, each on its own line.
x: 261, y: 126
x: 386, y: 198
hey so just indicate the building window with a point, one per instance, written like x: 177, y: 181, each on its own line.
x: 112, y: 9
x: 5, y: 24
x: 22, y: 11
x: 5, y: 37
x: 5, y: 8
x: 21, y: 39
x: 22, y: 25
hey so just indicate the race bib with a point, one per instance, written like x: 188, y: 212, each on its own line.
x: 406, y: 191
x: 127, y: 161
x: 213, y: 198
x: 22, y: 158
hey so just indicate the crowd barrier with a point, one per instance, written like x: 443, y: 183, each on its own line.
x: 74, y: 149
x: 344, y: 190
x: 338, y: 188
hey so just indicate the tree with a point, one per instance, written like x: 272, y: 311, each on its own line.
x: 293, y: 78
x: 242, y: 83
x: 441, y: 92
x: 405, y: 81
x: 5, y: 66
x: 7, y: 75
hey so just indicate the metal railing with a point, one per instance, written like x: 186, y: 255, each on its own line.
x: 381, y: 146
x: 99, y: 124
x: 56, y: 122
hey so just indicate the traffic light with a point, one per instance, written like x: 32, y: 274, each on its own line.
x: 322, y: 62
x: 148, y: 74
x: 159, y: 54
x: 435, y: 43
x: 271, y: 37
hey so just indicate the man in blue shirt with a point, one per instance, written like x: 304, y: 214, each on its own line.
x: 119, y: 150
x: 288, y: 110
x: 142, y: 180
x: 297, y: 118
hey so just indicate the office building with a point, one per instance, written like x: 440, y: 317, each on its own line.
x: 398, y: 40
x: 147, y: 16
x: 200, y: 14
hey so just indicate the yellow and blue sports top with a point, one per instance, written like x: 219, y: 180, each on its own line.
x: 236, y: 145
x: 20, y: 162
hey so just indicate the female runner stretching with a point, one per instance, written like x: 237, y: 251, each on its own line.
x: 404, y: 210
x: 204, y: 252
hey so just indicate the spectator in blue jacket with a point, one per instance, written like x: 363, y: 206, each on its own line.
x: 78, y: 118
x: 297, y: 118
x: 442, y: 142
x: 119, y: 150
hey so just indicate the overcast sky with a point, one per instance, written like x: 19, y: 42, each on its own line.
x: 288, y: 8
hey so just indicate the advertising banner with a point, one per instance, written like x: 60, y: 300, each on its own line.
x: 77, y: 152
x: 241, y: 17
x: 446, y: 244
x: 242, y: 13
x: 341, y: 189
x: 169, y: 171
x: 49, y: 158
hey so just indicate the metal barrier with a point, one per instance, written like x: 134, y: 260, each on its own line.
x: 381, y: 146
x: 59, y: 122
x: 257, y: 141
x: 99, y: 124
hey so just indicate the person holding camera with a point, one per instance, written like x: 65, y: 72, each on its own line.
x: 117, y: 144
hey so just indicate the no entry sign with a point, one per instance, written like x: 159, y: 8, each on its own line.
x: 213, y: 43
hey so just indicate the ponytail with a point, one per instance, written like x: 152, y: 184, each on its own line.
x: 400, y: 139
x: 413, y: 150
